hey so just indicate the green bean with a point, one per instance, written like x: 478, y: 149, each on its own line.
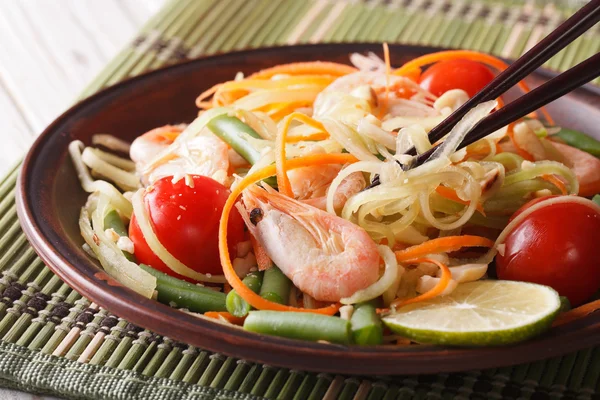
x: 235, y: 304
x: 596, y: 199
x: 231, y: 130
x: 184, y: 294
x: 580, y: 141
x: 113, y: 221
x: 366, y: 326
x: 296, y: 325
x: 275, y: 286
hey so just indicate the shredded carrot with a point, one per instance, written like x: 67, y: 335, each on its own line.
x: 520, y: 151
x: 435, y: 291
x: 442, y: 245
x: 226, y: 316
x: 386, y: 56
x: 283, y: 182
x: 314, y: 137
x: 450, y: 194
x: 204, y: 105
x: 205, y: 95
x: 414, y: 74
x: 236, y: 283
x: 553, y: 179
x: 281, y: 112
x: 409, y: 67
x: 254, y: 84
x: 577, y: 313
x: 262, y: 258
x: 476, y: 149
x: 305, y: 68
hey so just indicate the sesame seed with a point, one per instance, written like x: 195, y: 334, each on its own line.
x: 178, y: 217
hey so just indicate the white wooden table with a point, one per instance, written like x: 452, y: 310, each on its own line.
x: 49, y: 50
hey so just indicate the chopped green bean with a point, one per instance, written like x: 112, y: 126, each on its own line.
x: 275, y: 286
x: 596, y: 199
x: 231, y: 130
x: 182, y: 294
x: 235, y: 304
x: 296, y: 325
x: 580, y: 141
x: 366, y: 326
x: 113, y: 221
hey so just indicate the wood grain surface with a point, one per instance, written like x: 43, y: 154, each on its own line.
x: 49, y: 51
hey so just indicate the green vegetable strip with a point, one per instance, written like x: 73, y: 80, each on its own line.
x: 580, y: 140
x: 509, y: 160
x: 231, y: 130
x: 235, y: 304
x: 366, y: 326
x: 596, y: 199
x: 538, y: 169
x: 184, y: 294
x: 296, y: 325
x: 276, y: 286
x: 113, y: 221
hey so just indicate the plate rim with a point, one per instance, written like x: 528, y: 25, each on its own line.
x: 261, y: 348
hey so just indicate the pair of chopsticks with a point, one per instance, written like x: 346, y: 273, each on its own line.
x: 562, y: 84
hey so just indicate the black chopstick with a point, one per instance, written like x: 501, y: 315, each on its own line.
x: 564, y: 34
x: 560, y: 85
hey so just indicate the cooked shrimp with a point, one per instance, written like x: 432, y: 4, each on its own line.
x: 585, y: 166
x: 406, y: 98
x: 325, y: 256
x: 146, y: 146
x: 204, y: 155
x: 351, y: 185
x: 310, y: 184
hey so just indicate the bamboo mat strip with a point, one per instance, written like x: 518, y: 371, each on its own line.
x: 55, y: 341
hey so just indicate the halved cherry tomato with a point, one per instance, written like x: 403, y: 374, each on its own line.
x: 467, y: 75
x: 557, y: 246
x: 186, y: 221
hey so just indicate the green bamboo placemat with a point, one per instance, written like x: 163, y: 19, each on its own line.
x: 53, y: 341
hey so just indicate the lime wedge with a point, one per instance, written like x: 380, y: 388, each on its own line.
x: 482, y: 313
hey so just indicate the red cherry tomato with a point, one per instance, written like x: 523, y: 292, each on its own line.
x: 557, y: 246
x: 467, y: 75
x: 186, y: 222
x: 529, y: 204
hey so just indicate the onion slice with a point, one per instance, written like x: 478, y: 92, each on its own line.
x: 389, y: 277
x: 462, y: 128
x: 110, y: 256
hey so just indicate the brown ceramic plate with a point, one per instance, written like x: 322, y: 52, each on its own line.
x: 50, y: 197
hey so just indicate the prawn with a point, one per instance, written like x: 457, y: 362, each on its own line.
x: 310, y: 185
x: 406, y: 98
x: 205, y: 155
x: 146, y: 146
x: 325, y: 256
